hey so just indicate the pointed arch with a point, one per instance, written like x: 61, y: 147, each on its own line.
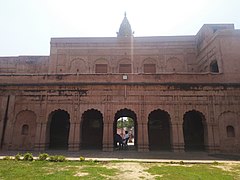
x: 78, y: 65
x: 132, y: 130
x: 91, y: 129
x: 194, y: 130
x: 58, y: 128
x: 159, y: 130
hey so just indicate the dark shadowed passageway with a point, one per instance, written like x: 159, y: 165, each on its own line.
x: 159, y: 130
x: 193, y: 130
x: 92, y: 129
x: 59, y: 130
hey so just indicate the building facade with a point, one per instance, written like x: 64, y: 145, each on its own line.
x: 182, y: 92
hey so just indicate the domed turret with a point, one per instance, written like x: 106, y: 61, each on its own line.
x: 125, y: 29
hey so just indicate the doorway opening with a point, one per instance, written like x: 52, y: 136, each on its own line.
x: 125, y: 121
x: 59, y: 129
x: 159, y: 130
x: 92, y: 129
x: 193, y: 131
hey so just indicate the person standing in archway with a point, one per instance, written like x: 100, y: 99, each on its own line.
x: 125, y: 139
x: 118, y: 139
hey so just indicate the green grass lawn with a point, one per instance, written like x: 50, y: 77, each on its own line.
x: 53, y: 170
x: 11, y: 169
x: 191, y: 172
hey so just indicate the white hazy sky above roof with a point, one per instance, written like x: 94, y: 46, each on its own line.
x: 27, y: 25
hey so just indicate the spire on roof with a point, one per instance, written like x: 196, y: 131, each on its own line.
x: 125, y: 29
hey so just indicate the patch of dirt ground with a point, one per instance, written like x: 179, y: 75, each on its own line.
x: 131, y: 170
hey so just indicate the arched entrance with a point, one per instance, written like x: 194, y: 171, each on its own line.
x: 59, y: 129
x: 159, y: 130
x: 126, y: 120
x: 92, y: 129
x: 193, y: 131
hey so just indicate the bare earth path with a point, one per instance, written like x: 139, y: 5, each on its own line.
x: 131, y: 170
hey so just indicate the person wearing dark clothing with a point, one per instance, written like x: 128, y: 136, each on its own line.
x: 118, y: 139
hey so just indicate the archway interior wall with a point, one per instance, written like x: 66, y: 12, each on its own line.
x: 24, y: 139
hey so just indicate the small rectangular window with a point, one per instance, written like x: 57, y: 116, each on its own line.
x: 101, y: 68
x: 125, y: 68
x: 149, y: 68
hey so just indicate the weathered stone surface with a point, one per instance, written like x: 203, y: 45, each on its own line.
x: 166, y: 80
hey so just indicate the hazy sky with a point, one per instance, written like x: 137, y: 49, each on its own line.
x: 27, y: 25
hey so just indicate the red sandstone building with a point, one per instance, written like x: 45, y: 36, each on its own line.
x: 183, y: 92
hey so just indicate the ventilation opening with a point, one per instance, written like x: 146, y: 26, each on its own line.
x: 230, y: 131
x: 214, y: 67
x: 25, y: 129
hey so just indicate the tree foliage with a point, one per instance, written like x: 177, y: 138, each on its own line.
x: 125, y: 123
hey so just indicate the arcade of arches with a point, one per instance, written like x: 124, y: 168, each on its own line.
x: 93, y: 131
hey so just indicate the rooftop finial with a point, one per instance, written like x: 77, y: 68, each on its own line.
x: 125, y: 29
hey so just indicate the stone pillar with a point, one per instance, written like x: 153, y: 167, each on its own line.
x: 177, y: 137
x: 76, y: 143
x: 145, y: 137
x: 7, y: 142
x: 44, y: 142
x: 80, y: 136
x: 142, y: 130
x: 3, y: 109
x: 71, y: 140
x: 107, y: 142
x: 107, y: 137
x: 38, y: 137
x: 140, y: 137
x: 212, y: 143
